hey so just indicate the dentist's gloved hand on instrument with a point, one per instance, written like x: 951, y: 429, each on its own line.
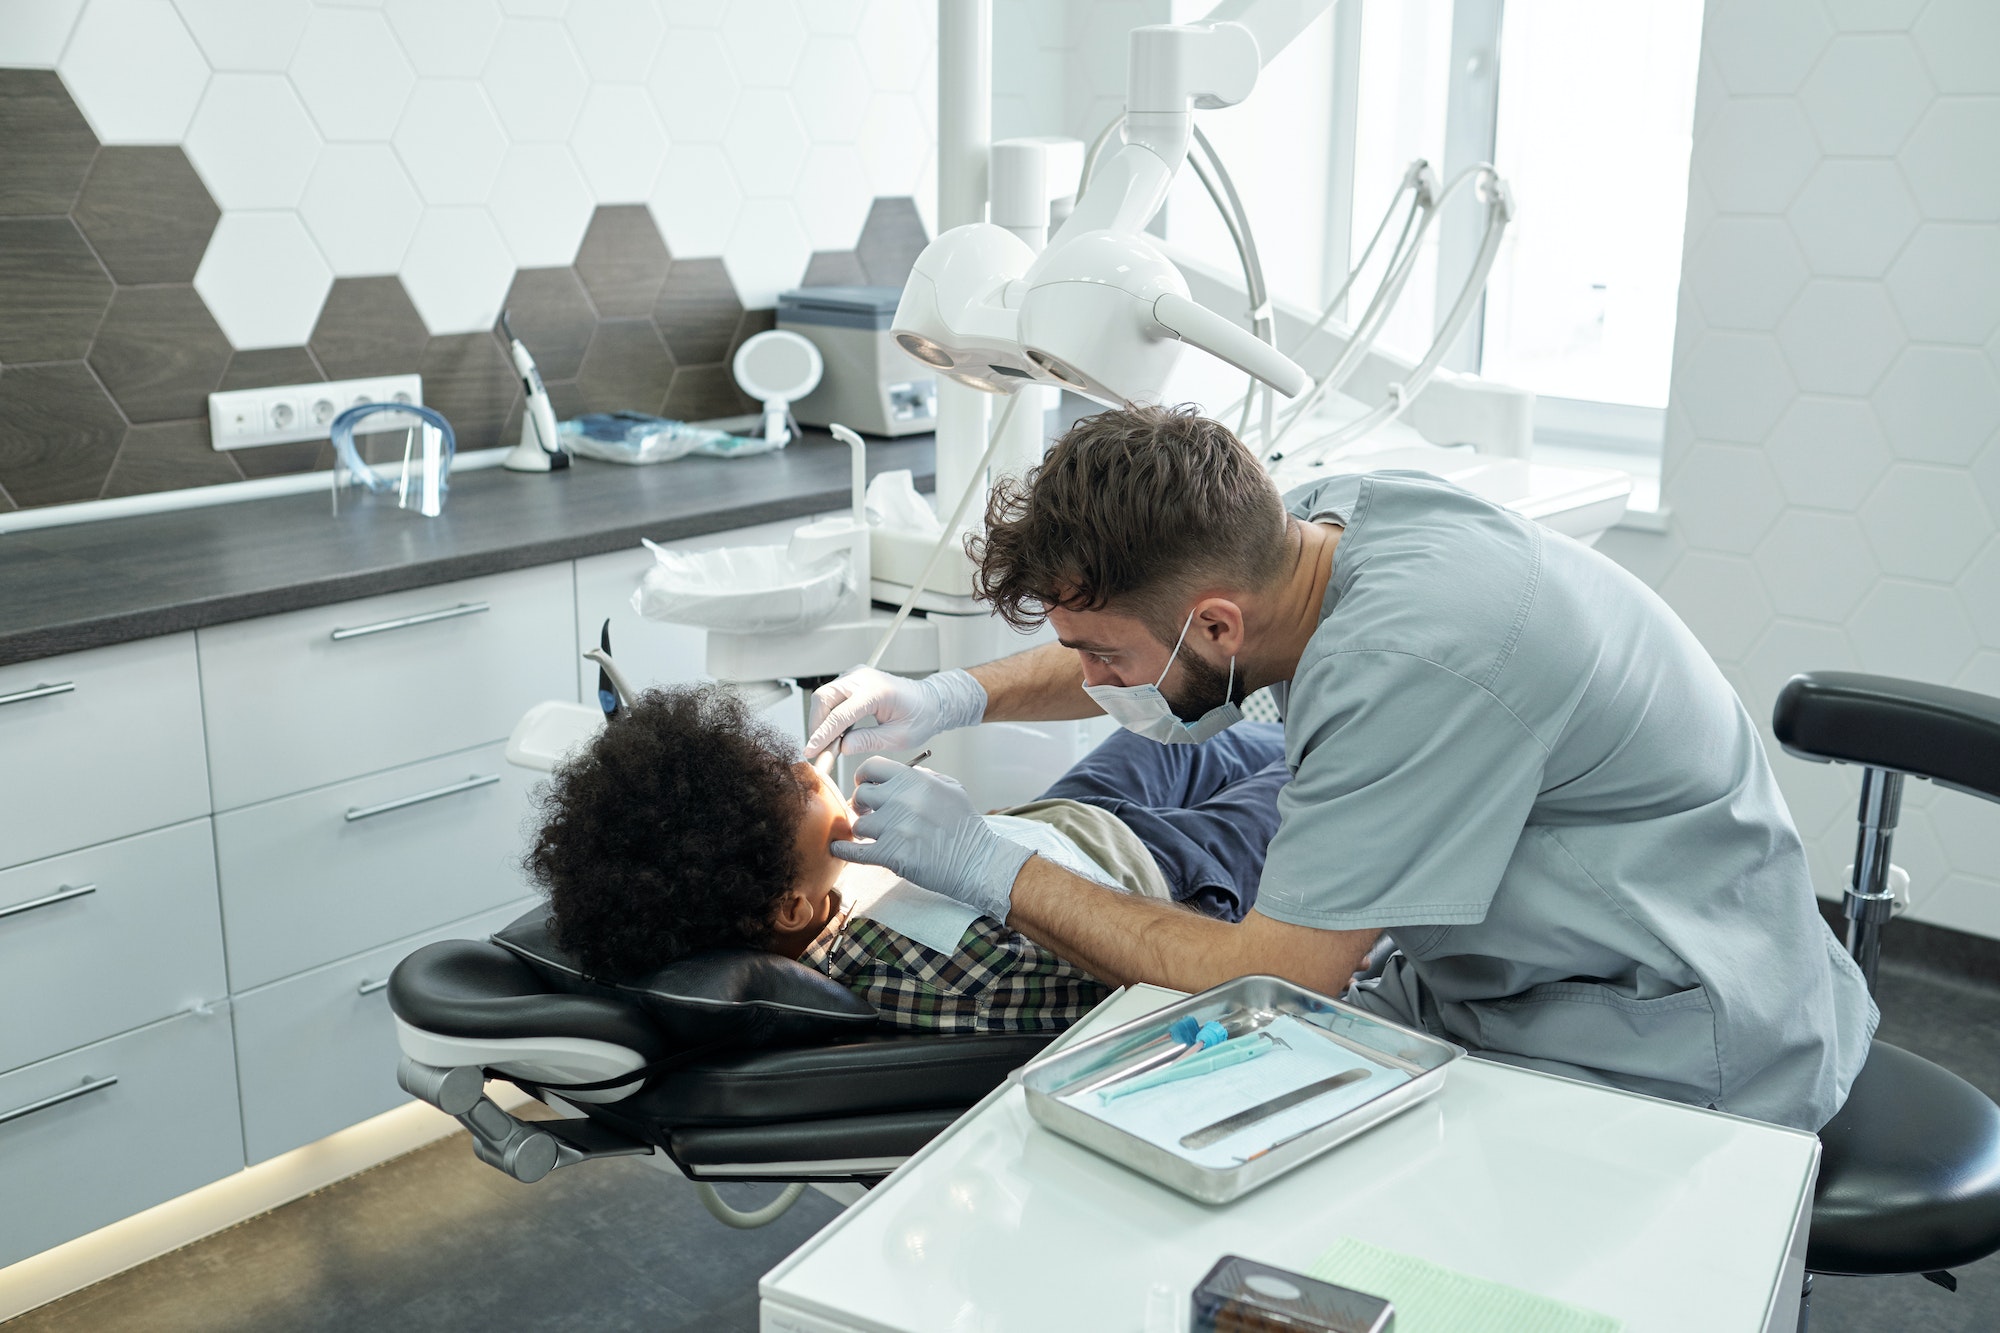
x: 926, y: 829
x: 907, y: 712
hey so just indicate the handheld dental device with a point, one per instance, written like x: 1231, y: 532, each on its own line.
x: 539, y: 449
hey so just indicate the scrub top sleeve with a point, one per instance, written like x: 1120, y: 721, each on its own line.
x: 1408, y: 800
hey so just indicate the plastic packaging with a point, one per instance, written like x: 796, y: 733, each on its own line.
x: 893, y: 502
x: 747, y: 589
x: 634, y: 437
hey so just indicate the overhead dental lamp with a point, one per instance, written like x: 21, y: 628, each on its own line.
x: 1101, y: 311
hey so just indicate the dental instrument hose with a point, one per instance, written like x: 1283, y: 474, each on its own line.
x: 950, y: 532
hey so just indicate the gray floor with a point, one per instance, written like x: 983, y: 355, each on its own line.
x: 436, y: 1241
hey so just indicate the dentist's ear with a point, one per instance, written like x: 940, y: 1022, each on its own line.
x: 1218, y: 622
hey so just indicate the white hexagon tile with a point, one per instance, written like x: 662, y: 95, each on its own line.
x: 353, y: 76
x: 1861, y: 366
x: 245, y: 35
x: 542, y: 204
x: 361, y: 208
x: 263, y: 279
x: 457, y: 270
x: 134, y: 70
x: 252, y: 141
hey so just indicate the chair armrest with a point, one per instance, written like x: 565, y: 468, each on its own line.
x: 1930, y: 731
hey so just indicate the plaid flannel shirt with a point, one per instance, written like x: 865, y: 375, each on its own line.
x: 995, y: 981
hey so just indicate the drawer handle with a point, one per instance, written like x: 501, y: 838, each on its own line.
x: 59, y: 896
x: 372, y: 987
x: 404, y: 622
x: 38, y: 692
x: 83, y: 1089
x: 403, y: 802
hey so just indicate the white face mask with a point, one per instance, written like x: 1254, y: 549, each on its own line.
x: 1143, y: 709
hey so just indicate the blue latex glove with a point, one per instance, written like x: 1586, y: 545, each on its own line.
x: 926, y: 829
x: 907, y: 712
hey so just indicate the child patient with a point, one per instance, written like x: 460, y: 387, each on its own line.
x: 688, y: 824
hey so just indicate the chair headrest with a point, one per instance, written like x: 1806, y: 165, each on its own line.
x: 744, y: 995
x: 476, y: 990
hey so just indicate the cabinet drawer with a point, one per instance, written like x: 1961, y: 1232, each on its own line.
x: 97, y: 745
x: 104, y: 940
x: 84, y: 1159
x: 653, y: 652
x: 324, y: 874
x: 317, y: 1052
x: 311, y: 697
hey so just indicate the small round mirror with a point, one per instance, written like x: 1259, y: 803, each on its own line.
x: 777, y: 367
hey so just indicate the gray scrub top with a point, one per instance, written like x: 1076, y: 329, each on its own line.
x: 1511, y: 754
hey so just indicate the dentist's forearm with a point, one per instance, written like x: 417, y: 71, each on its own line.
x: 1122, y: 939
x: 1043, y: 684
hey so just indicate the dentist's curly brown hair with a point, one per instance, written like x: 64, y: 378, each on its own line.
x: 675, y: 830
x: 1133, y: 511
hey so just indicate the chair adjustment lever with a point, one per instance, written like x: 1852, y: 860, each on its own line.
x: 526, y: 1150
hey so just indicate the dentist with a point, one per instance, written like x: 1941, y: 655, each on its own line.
x: 1505, y: 751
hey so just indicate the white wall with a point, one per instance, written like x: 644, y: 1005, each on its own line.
x: 1833, y: 429
x: 452, y: 141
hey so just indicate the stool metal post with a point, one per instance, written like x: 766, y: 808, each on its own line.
x: 1869, y: 903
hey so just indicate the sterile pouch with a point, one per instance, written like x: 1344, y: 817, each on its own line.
x: 747, y: 589
x: 893, y: 502
x: 634, y: 437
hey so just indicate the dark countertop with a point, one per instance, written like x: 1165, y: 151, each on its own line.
x: 90, y: 584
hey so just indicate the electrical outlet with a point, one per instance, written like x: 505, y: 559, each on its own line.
x: 285, y: 413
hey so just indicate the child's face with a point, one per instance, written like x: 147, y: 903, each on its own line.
x: 828, y: 819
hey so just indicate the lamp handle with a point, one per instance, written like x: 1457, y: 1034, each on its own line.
x: 1198, y: 326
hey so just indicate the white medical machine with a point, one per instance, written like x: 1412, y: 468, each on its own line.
x: 1006, y: 314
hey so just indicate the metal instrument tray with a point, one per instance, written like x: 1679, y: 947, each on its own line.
x: 1245, y: 1005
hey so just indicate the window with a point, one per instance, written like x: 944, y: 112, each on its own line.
x: 1586, y: 108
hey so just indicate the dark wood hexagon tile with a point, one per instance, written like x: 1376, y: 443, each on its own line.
x: 266, y: 367
x: 282, y: 460
x: 469, y: 379
x: 45, y: 144
x: 58, y: 433
x: 159, y: 352
x: 890, y: 242
x: 834, y: 268
x: 627, y: 368
x: 52, y: 290
x: 701, y: 392
x: 166, y: 456
x: 697, y: 311
x: 368, y: 327
x: 146, y: 213
x: 622, y: 261
x: 553, y: 318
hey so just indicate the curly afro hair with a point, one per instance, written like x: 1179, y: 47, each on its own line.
x: 674, y: 831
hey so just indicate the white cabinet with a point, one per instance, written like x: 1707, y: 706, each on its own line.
x: 339, y: 869
x: 317, y: 1052
x: 106, y: 939
x: 99, y: 744
x: 311, y: 697
x: 104, y: 1131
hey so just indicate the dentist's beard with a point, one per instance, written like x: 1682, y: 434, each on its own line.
x: 1203, y: 687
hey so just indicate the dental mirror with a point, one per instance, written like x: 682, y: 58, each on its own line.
x: 778, y: 367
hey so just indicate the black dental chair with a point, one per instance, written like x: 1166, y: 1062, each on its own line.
x: 737, y: 1065
x: 1909, y: 1178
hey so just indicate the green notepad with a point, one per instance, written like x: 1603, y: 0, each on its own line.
x: 1430, y: 1298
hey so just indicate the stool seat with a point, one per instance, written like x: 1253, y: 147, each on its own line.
x: 1909, y: 1176
x: 1950, y: 736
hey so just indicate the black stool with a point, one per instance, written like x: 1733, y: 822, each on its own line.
x: 1909, y: 1176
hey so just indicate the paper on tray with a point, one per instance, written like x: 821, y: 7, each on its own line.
x: 1162, y: 1115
